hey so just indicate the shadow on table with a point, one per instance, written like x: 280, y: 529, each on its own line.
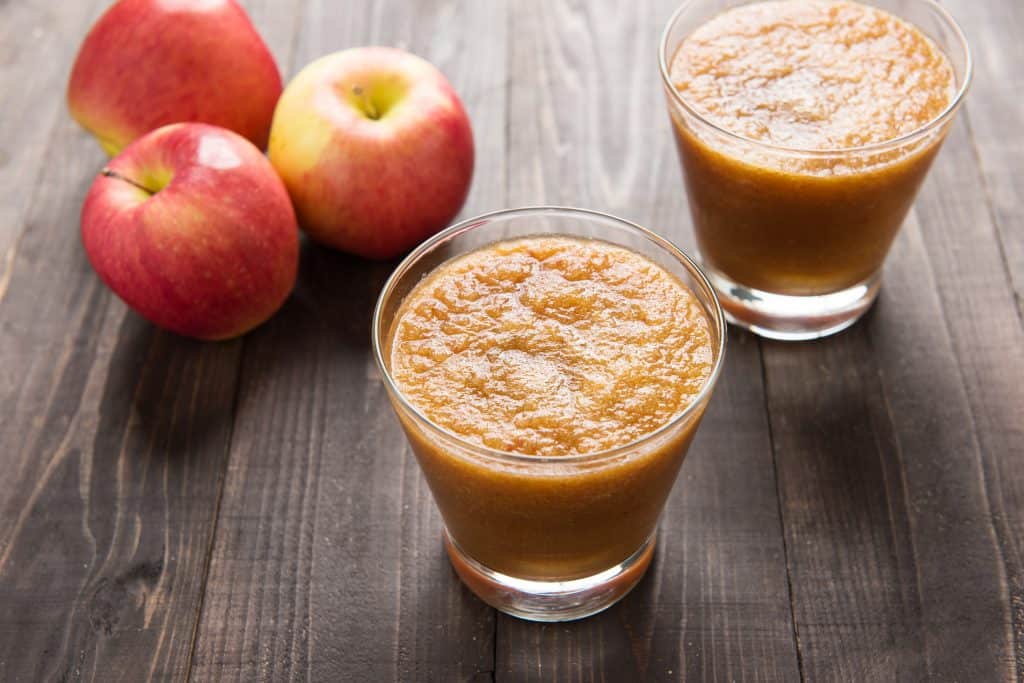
x: 833, y: 431
x: 616, y: 645
x: 182, y: 392
x: 336, y: 294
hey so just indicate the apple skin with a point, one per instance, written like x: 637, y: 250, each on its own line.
x: 213, y: 252
x: 372, y: 186
x: 148, y: 63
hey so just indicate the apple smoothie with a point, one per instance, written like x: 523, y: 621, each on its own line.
x: 803, y: 130
x: 556, y: 371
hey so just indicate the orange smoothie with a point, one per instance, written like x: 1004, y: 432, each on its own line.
x: 530, y: 356
x: 831, y: 83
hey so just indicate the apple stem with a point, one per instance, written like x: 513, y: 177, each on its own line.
x: 108, y: 173
x: 371, y: 110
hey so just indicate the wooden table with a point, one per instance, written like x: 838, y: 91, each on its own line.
x: 853, y: 509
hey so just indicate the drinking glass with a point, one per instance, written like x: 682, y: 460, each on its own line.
x: 547, y: 538
x: 793, y: 240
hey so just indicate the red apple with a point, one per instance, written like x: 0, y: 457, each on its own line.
x: 147, y: 63
x: 193, y: 229
x: 375, y: 148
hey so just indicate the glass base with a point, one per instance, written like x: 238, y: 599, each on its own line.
x: 793, y: 318
x: 549, y: 601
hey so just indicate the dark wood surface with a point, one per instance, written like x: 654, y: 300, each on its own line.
x: 852, y: 509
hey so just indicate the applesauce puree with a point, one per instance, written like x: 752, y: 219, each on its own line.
x: 813, y: 74
x: 838, y: 78
x: 551, y: 346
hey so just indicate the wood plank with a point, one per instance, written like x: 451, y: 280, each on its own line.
x: 112, y: 445
x: 588, y: 126
x: 37, y: 45
x: 994, y: 114
x: 328, y: 563
x: 979, y: 313
x: 896, y: 565
x: 977, y: 251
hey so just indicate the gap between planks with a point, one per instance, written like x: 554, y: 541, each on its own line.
x: 782, y: 522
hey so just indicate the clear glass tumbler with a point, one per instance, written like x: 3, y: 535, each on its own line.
x: 792, y: 239
x: 547, y: 538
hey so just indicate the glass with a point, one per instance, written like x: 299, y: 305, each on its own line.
x: 795, y: 253
x: 547, y: 538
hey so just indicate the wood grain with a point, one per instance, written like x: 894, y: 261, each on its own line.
x: 895, y: 561
x: 973, y: 227
x: 588, y: 127
x: 977, y: 300
x: 328, y: 563
x: 994, y: 114
x: 37, y: 44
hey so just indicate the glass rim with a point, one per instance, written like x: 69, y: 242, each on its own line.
x: 904, y: 139
x: 716, y: 315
